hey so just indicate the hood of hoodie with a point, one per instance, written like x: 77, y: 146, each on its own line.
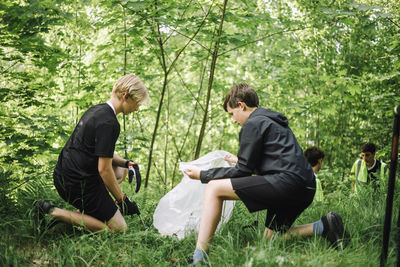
x: 273, y: 115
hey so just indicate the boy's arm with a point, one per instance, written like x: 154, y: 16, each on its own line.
x: 118, y: 161
x: 384, y: 175
x: 109, y: 179
x: 250, y: 151
x: 353, y: 171
x: 352, y: 175
x: 386, y: 171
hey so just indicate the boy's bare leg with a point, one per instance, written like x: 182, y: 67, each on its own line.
x: 304, y: 230
x: 89, y: 222
x: 296, y: 231
x: 216, y: 192
x: 268, y: 233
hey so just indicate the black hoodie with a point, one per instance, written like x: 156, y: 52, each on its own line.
x: 266, y: 146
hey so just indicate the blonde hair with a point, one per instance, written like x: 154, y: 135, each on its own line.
x: 133, y: 87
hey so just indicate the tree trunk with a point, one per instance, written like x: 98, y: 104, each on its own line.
x: 166, y: 72
x: 210, y: 83
x: 125, y: 63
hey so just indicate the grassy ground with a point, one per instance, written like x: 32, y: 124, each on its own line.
x: 64, y: 245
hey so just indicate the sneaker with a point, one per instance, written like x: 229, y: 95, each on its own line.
x: 334, y: 230
x: 202, y: 262
x: 191, y: 262
x: 45, y: 206
x: 198, y: 262
x: 252, y: 226
x: 40, y: 209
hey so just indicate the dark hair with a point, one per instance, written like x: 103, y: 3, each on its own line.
x: 313, y: 154
x: 241, y: 92
x: 368, y: 147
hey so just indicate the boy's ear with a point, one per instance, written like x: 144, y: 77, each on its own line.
x: 242, y: 105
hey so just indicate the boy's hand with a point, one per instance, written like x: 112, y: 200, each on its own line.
x: 128, y: 207
x: 134, y: 173
x: 193, y: 173
x: 231, y: 159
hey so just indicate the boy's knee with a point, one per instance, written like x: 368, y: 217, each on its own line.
x: 268, y: 233
x: 119, y: 228
x: 212, y: 186
x: 120, y: 173
x: 219, y: 186
x: 216, y: 187
x: 117, y: 223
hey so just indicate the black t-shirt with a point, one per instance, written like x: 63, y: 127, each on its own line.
x: 373, y: 174
x: 94, y: 136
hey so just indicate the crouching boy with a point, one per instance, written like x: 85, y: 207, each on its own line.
x: 284, y: 183
x: 88, y: 169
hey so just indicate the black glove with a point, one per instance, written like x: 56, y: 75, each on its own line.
x: 134, y: 172
x: 128, y: 207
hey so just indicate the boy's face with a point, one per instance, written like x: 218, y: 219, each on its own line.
x: 319, y: 164
x: 368, y: 157
x: 238, y: 114
x: 130, y: 105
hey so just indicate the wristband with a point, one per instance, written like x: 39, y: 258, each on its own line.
x: 120, y: 201
x: 127, y: 163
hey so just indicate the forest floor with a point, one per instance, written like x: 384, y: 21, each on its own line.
x: 233, y: 245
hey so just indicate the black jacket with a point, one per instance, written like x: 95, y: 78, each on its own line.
x: 266, y: 146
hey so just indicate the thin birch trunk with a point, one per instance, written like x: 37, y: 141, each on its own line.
x: 210, y: 83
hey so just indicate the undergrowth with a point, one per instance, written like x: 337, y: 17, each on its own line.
x: 233, y: 245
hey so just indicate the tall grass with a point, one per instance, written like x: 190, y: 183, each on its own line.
x: 233, y: 245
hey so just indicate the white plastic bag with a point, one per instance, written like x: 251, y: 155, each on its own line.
x: 178, y: 212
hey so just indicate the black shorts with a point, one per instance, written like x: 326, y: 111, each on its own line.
x: 89, y: 196
x: 285, y: 196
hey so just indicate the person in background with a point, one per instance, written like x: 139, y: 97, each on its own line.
x: 315, y: 156
x: 283, y: 184
x: 368, y: 170
x: 88, y: 169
